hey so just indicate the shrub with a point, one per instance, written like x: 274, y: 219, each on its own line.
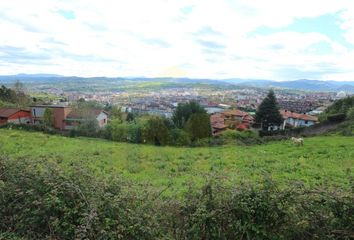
x: 41, y: 199
x: 179, y: 137
x: 350, y: 114
x: 88, y: 128
x: 241, y: 137
x: 336, y: 118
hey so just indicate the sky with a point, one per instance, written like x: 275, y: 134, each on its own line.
x: 216, y: 39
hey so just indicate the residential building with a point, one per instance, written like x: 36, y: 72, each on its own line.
x: 75, y: 118
x: 66, y: 118
x: 292, y: 119
x: 236, y: 117
x: 217, y: 123
x: 59, y: 114
x: 233, y: 119
x: 14, y: 116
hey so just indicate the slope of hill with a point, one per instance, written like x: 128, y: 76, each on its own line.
x: 53, y: 187
x: 322, y: 159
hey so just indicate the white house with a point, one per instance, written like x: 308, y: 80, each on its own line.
x: 75, y: 118
x: 292, y: 119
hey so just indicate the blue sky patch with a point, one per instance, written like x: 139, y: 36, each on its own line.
x: 187, y: 9
x: 328, y: 25
x: 70, y: 15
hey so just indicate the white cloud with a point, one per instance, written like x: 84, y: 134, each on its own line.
x: 135, y: 38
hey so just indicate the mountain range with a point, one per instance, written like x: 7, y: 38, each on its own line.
x: 302, y: 84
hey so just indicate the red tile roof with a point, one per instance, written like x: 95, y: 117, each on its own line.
x: 215, y: 118
x: 288, y: 114
x: 219, y: 126
x: 8, y: 112
x: 236, y: 112
x: 242, y: 126
x: 244, y: 115
x: 217, y: 121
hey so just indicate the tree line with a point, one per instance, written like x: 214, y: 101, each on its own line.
x: 190, y: 123
x: 14, y: 97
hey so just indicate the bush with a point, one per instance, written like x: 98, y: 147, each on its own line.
x: 203, y: 142
x: 350, y: 114
x: 88, y: 128
x: 40, y: 200
x: 336, y: 118
x: 179, y: 137
x: 241, y: 137
x: 44, y: 200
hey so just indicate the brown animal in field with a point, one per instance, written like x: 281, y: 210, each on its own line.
x: 297, y: 141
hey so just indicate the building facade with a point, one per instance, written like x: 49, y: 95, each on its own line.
x: 14, y: 116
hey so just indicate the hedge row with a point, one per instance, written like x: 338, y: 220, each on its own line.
x: 43, y: 200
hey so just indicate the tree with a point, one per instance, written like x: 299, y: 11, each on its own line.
x: 130, y: 117
x: 268, y: 114
x: 155, y: 131
x: 198, y: 126
x: 116, y: 113
x: 350, y: 114
x: 88, y: 127
x: 14, y: 96
x: 183, y: 112
x: 7, y: 94
x: 21, y: 98
x: 48, y: 117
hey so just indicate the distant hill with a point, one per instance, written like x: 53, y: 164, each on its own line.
x: 302, y: 84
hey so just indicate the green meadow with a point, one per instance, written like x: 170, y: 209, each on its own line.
x: 322, y: 160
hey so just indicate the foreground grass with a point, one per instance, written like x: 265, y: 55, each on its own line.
x: 322, y: 160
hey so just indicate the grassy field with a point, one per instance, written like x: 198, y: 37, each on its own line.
x: 325, y: 159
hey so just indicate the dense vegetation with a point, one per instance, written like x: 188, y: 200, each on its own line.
x: 94, y: 189
x: 190, y: 125
x: 340, y: 110
x: 13, y: 97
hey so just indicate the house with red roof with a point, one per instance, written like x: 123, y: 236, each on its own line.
x: 14, y: 116
x: 217, y: 122
x: 293, y: 119
x: 235, y: 117
x: 232, y: 119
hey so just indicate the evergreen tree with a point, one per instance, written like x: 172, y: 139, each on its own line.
x: 268, y: 114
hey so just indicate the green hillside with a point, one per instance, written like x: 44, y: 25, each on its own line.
x: 322, y: 160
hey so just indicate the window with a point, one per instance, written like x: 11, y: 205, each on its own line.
x: 34, y: 112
